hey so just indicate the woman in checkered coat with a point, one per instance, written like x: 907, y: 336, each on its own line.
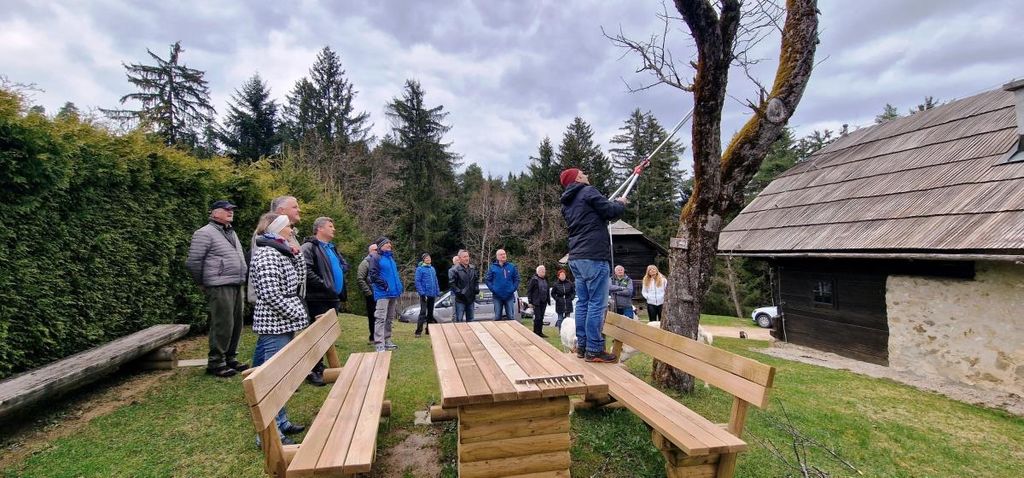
x: 276, y: 273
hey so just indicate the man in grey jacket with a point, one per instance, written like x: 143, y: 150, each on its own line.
x: 217, y: 264
x: 363, y: 279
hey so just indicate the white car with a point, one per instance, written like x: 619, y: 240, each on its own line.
x: 763, y: 316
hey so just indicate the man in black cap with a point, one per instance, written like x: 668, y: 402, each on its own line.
x: 217, y: 264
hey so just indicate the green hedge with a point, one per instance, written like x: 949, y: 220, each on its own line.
x: 95, y: 229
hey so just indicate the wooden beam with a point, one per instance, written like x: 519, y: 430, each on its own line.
x: 63, y: 376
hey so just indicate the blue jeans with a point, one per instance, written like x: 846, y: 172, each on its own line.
x: 558, y: 323
x: 464, y: 312
x: 266, y: 346
x: 592, y: 279
x: 627, y: 311
x: 509, y: 306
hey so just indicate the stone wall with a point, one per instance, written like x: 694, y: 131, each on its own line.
x: 969, y: 331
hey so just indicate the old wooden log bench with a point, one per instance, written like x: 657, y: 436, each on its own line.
x: 692, y: 445
x: 65, y: 375
x: 342, y: 439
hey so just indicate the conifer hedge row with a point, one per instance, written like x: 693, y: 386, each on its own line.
x: 94, y: 230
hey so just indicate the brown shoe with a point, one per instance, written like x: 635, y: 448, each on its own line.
x: 601, y: 357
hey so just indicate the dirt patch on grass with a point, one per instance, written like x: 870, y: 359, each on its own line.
x: 1009, y: 402
x: 417, y: 455
x: 73, y: 412
x: 752, y: 332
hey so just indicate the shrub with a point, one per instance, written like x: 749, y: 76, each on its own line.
x: 95, y: 229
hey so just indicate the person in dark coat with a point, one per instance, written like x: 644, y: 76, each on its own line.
x: 587, y: 212
x: 325, y: 279
x: 539, y: 295
x: 464, y: 282
x: 428, y: 289
x: 563, y: 292
x: 621, y: 289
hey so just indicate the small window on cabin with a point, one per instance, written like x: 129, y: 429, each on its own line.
x: 1016, y: 154
x: 824, y: 292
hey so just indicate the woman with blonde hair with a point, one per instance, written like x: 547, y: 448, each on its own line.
x: 654, y: 292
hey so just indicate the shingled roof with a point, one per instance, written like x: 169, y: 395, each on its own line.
x: 934, y: 183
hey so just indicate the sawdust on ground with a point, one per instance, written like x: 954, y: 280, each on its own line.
x: 417, y: 455
x: 1009, y: 402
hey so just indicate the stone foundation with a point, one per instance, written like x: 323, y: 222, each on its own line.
x: 968, y: 331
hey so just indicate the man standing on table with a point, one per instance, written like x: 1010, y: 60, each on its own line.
x: 587, y: 212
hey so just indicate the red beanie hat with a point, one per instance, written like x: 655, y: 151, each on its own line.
x: 568, y: 176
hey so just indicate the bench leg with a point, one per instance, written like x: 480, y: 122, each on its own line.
x: 331, y: 374
x: 680, y: 465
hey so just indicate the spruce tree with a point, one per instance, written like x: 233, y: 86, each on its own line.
x: 578, y: 150
x: 320, y: 107
x: 426, y: 168
x: 543, y: 168
x: 250, y: 130
x: 175, y: 99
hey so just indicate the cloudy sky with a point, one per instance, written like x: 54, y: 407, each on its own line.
x: 509, y: 72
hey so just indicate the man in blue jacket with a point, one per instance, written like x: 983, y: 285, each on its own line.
x: 427, y: 287
x: 387, y: 288
x: 502, y: 279
x: 587, y: 212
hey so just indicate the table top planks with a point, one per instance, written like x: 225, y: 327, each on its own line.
x: 479, y: 362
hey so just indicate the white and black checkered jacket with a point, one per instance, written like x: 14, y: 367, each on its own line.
x: 275, y: 275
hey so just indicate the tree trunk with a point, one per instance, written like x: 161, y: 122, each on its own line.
x: 730, y: 280
x: 719, y: 178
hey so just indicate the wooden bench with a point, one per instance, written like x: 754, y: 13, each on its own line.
x: 692, y: 445
x: 342, y: 439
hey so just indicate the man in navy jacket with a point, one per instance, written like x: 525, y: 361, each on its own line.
x: 502, y: 279
x: 587, y: 212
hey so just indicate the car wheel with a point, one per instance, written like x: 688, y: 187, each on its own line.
x: 764, y: 321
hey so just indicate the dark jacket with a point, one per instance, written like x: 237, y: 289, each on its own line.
x: 563, y: 292
x: 383, y: 276
x: 319, y: 276
x: 464, y: 283
x: 587, y: 212
x: 502, y: 280
x: 215, y: 256
x: 537, y: 291
x: 622, y: 291
x: 426, y: 281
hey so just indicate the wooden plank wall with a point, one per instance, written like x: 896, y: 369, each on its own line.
x: 857, y: 325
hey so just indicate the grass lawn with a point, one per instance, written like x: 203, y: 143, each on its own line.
x: 193, y: 425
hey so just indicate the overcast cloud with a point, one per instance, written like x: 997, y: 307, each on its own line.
x: 508, y: 72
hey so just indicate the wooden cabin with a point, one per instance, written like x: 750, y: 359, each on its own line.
x: 902, y: 243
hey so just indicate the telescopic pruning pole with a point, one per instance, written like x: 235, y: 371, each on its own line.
x: 627, y: 186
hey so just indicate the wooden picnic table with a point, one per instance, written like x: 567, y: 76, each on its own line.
x: 508, y: 428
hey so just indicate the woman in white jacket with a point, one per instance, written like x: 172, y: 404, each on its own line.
x: 654, y: 292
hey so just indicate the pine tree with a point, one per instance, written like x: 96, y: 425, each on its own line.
x: 543, y: 169
x: 578, y: 150
x: 175, y: 99
x: 929, y: 103
x: 426, y: 169
x: 320, y: 107
x: 653, y: 207
x: 889, y: 113
x: 250, y: 130
x: 69, y: 112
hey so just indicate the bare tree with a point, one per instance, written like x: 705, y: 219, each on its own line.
x: 491, y: 212
x: 724, y: 33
